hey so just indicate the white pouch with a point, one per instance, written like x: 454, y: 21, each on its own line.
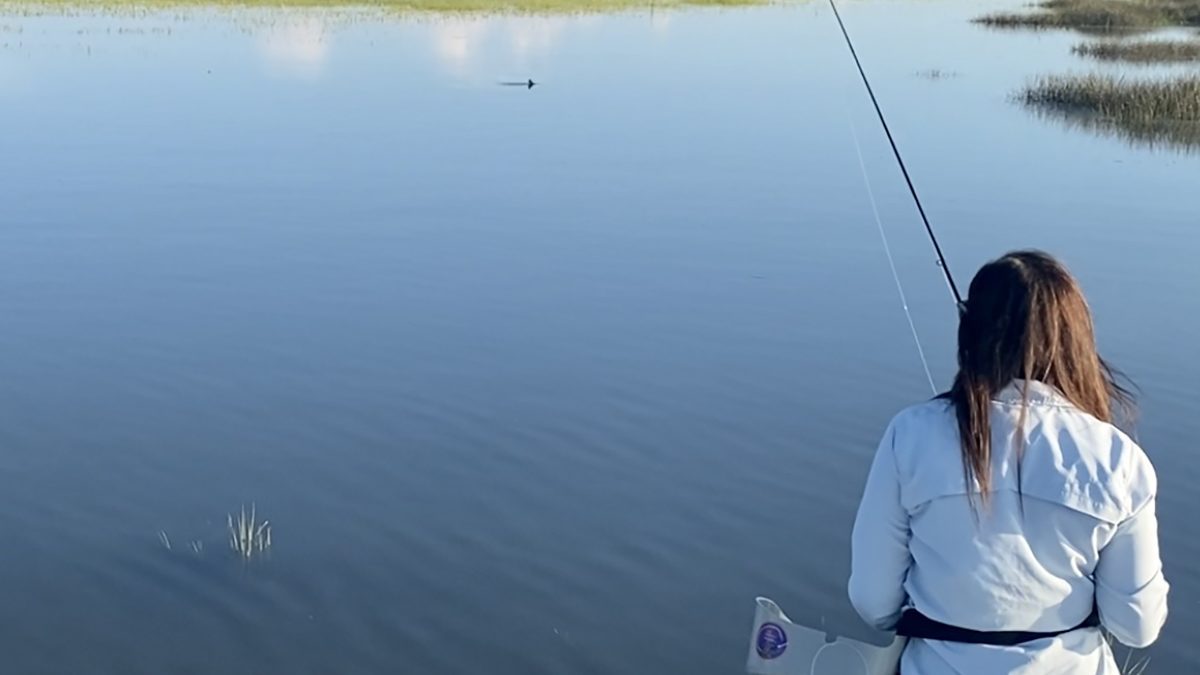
x: 780, y: 647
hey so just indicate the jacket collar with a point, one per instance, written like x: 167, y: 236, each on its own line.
x: 1039, y: 393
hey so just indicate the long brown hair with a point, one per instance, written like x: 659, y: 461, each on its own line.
x: 1026, y: 319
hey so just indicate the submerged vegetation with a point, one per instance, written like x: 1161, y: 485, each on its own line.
x: 935, y: 74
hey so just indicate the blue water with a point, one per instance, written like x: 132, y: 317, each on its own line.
x: 527, y: 381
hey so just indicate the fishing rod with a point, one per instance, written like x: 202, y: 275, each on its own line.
x: 958, y: 299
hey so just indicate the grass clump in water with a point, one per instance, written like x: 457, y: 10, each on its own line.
x: 1153, y: 111
x: 1120, y: 98
x: 1145, y: 51
x: 249, y: 537
x: 1100, y: 15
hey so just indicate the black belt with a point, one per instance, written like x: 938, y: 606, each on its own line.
x: 914, y: 624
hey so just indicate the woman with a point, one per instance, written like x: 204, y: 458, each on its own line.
x: 1004, y: 521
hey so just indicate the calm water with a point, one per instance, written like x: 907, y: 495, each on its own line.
x: 527, y: 381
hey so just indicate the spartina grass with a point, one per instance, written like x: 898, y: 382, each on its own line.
x: 1122, y: 100
x: 1100, y: 15
x: 1142, y: 51
x: 1153, y: 112
x: 1132, y: 664
x: 1157, y: 112
x: 195, y: 546
x: 249, y: 537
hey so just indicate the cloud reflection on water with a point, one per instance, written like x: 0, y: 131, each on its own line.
x: 297, y: 47
x: 499, y: 47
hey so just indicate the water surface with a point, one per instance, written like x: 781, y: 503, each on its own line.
x: 527, y: 381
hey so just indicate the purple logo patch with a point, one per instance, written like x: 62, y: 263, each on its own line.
x: 771, y: 641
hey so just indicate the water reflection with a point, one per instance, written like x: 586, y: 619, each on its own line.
x: 456, y: 41
x: 660, y: 22
x: 298, y: 48
x: 534, y: 37
x: 476, y: 46
x: 1178, y: 136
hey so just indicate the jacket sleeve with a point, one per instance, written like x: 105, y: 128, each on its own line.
x: 879, y: 557
x: 1131, y: 592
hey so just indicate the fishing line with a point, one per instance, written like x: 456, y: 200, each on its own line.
x: 941, y: 258
x: 887, y: 249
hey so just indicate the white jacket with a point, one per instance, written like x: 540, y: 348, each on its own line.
x: 1079, y: 530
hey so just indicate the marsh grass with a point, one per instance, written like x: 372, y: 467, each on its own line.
x: 196, y: 546
x: 1117, y: 98
x: 1100, y: 15
x: 1132, y: 664
x: 1153, y: 112
x: 249, y: 537
x: 1142, y: 51
x: 1135, y: 667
